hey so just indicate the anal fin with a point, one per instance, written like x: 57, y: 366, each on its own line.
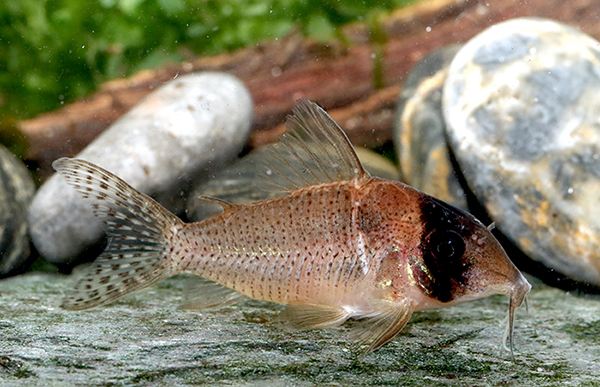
x: 201, y: 293
x: 312, y: 316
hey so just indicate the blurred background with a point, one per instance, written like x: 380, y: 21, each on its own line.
x: 53, y: 52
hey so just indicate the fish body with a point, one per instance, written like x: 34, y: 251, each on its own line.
x: 338, y: 244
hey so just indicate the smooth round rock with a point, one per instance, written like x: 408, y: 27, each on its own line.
x: 192, y: 124
x: 16, y: 191
x: 419, y: 130
x: 241, y: 182
x: 522, y: 105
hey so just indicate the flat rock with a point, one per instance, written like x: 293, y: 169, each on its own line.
x: 145, y: 340
x: 522, y: 102
x: 16, y: 192
x: 192, y: 124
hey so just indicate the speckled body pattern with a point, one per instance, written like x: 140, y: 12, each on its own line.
x: 339, y: 244
x: 267, y: 251
x: 330, y: 254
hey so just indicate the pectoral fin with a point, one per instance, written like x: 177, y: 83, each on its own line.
x: 377, y: 328
x: 312, y: 316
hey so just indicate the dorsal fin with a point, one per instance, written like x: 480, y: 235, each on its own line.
x: 314, y: 150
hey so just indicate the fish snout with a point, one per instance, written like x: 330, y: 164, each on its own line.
x: 518, y: 289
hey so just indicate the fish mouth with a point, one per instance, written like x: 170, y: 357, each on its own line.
x: 517, y: 294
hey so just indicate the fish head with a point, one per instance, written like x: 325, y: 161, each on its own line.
x: 460, y: 260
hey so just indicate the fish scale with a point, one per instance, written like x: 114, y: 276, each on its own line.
x: 337, y: 244
x: 298, y: 264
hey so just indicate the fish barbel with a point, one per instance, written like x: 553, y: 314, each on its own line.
x: 338, y: 244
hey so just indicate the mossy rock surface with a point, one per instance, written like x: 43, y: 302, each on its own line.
x: 144, y: 339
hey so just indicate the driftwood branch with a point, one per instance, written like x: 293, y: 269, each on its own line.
x: 341, y: 78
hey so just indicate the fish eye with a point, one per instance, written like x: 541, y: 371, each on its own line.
x: 447, y: 245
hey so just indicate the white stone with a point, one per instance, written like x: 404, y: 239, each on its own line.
x: 189, y: 126
x: 521, y: 102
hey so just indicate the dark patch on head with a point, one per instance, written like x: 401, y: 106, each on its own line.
x: 445, y: 266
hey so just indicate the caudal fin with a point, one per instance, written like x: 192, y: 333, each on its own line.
x: 138, y: 229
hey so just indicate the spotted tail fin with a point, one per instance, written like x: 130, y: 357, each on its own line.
x: 138, y: 228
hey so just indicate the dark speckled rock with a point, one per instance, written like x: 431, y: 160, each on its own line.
x: 522, y: 105
x: 240, y: 183
x: 16, y: 191
x: 419, y: 130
